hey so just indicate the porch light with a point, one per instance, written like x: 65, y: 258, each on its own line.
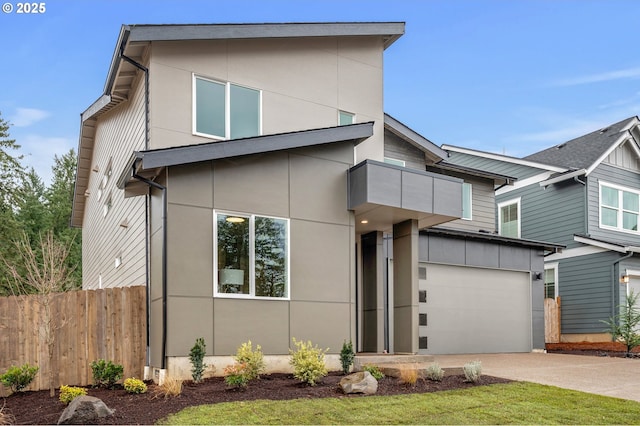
x: 235, y: 219
x: 624, y: 279
x: 364, y: 221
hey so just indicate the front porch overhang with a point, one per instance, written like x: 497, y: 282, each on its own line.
x: 383, y: 194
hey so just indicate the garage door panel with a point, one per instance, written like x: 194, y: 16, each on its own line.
x: 473, y: 310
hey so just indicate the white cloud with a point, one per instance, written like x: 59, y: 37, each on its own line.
x: 27, y: 116
x: 39, y: 152
x: 629, y: 73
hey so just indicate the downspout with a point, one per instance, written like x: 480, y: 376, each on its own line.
x: 147, y: 232
x: 164, y: 260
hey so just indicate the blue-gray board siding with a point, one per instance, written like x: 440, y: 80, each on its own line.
x: 586, y: 289
x: 553, y: 214
x: 495, y: 166
x: 618, y: 176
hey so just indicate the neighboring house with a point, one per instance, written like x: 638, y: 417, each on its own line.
x: 248, y: 175
x: 584, y: 194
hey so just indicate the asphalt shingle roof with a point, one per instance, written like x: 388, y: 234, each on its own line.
x: 581, y: 152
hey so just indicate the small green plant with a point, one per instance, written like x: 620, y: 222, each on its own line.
x: 253, y: 360
x: 434, y: 372
x: 196, y: 356
x: 18, y: 378
x: 106, y: 373
x: 374, y: 371
x: 237, y: 375
x: 69, y: 393
x: 308, y: 362
x: 133, y: 385
x: 623, y: 327
x: 472, y: 371
x: 346, y: 357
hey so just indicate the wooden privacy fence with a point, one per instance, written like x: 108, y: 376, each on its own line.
x: 98, y: 324
x: 552, y: 320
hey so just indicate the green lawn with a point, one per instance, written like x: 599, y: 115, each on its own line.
x: 511, y: 403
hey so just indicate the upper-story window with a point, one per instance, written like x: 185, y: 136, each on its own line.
x: 466, y: 201
x: 619, y: 207
x: 509, y: 218
x: 395, y: 161
x: 345, y: 118
x: 225, y: 110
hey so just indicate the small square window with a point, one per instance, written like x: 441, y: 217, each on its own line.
x: 346, y: 118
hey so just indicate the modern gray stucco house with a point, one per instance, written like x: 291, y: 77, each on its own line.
x: 584, y: 194
x: 248, y: 176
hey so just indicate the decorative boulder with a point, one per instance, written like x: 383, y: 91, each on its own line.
x: 360, y: 382
x: 84, y: 410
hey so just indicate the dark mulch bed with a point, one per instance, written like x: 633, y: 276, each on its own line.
x: 39, y: 408
x: 610, y: 349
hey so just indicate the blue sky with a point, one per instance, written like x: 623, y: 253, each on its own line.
x: 510, y: 77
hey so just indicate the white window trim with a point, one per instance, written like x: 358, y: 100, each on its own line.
x: 227, y: 107
x: 252, y: 272
x: 516, y: 201
x: 620, y: 209
x: 553, y: 266
x: 470, y: 202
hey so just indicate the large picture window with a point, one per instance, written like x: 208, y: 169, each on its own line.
x: 619, y: 207
x: 509, y: 218
x: 225, y: 110
x: 252, y: 256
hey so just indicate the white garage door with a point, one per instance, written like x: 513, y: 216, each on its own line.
x: 474, y: 310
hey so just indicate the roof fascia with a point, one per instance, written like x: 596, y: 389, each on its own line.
x: 390, y: 30
x: 257, y: 145
x: 494, y: 237
x: 413, y: 137
x: 624, y: 137
x: 563, y: 177
x: 497, y: 178
x: 609, y: 246
x: 123, y: 39
x: 504, y: 158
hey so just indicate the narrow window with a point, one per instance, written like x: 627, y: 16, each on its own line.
x: 394, y: 161
x: 551, y: 281
x: 466, y: 201
x: 509, y: 218
x: 233, y: 253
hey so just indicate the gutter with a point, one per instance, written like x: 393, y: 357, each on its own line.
x: 162, y: 188
x: 563, y: 177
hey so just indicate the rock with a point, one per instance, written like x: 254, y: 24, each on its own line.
x: 360, y: 382
x: 84, y: 410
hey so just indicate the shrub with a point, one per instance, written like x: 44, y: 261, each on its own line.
x: 308, y: 362
x: 374, y: 371
x: 434, y: 372
x: 624, y: 326
x: 409, y: 376
x: 106, y: 373
x: 69, y: 393
x: 133, y: 385
x: 237, y: 375
x: 253, y: 360
x: 18, y: 378
x: 472, y: 371
x: 346, y: 356
x: 169, y: 387
x: 196, y: 356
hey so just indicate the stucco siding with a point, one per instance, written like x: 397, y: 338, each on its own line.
x: 309, y: 190
x: 304, y: 82
x: 121, y: 232
x: 618, y: 176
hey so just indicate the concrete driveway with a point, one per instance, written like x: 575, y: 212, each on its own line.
x: 616, y: 377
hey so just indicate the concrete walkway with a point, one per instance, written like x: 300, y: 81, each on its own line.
x: 615, y: 377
